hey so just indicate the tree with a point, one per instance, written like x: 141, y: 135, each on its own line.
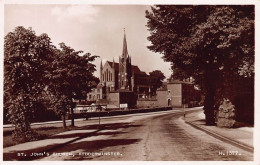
x: 70, y: 79
x: 211, y: 46
x: 25, y: 60
x: 158, y: 76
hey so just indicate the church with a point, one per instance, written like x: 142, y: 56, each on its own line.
x: 122, y: 79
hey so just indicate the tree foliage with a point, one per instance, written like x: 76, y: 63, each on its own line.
x: 158, y: 76
x: 70, y: 78
x: 25, y: 59
x: 213, y: 44
x: 38, y: 76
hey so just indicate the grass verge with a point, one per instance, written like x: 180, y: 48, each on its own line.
x: 44, y: 132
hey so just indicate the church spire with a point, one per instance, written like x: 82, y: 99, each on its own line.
x: 124, y: 53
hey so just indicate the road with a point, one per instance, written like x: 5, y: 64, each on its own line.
x: 159, y: 136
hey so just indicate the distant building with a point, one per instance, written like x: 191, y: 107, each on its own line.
x: 118, y: 80
x: 95, y: 94
x: 177, y: 93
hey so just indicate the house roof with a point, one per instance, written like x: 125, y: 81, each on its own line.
x: 135, y: 69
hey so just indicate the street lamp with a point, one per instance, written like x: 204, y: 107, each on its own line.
x: 98, y: 108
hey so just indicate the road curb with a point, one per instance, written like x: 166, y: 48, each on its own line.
x: 56, y: 146
x: 129, y: 112
x: 223, y: 138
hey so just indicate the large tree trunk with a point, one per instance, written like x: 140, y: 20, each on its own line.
x: 72, y: 113
x: 64, y: 120
x: 209, y: 102
x: 209, y: 108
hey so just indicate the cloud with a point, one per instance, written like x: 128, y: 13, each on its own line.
x: 83, y: 14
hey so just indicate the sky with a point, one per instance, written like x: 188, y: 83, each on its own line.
x: 97, y: 29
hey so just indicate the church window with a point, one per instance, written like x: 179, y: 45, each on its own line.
x: 107, y: 75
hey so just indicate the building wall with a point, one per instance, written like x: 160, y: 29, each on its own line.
x: 94, y: 95
x: 108, y: 77
x: 161, y: 98
x: 174, y: 93
x: 128, y: 98
x: 117, y: 98
x: 172, y: 96
x: 146, y: 103
x: 113, y: 98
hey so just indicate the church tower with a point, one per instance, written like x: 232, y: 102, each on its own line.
x: 125, y: 74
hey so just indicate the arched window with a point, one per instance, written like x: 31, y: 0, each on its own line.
x: 107, y: 74
x: 104, y: 76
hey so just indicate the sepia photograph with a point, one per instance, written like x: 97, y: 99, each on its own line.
x: 129, y: 82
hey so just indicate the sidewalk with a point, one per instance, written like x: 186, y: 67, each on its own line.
x: 241, y: 137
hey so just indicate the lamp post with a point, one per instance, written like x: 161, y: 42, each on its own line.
x: 98, y: 108
x: 184, y: 108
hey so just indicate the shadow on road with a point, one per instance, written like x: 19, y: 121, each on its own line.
x: 85, y: 146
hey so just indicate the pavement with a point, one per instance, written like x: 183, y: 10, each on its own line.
x: 240, y: 137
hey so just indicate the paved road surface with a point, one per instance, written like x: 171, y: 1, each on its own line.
x: 162, y: 136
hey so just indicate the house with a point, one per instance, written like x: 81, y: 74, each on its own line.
x: 177, y: 93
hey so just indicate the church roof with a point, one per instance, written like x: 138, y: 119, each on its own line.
x: 135, y: 69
